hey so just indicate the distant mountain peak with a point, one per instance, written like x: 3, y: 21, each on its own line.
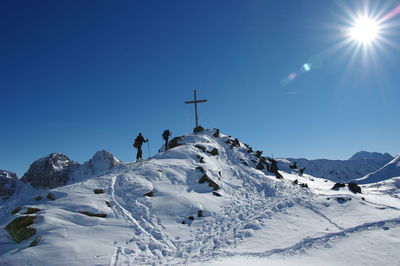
x: 371, y: 155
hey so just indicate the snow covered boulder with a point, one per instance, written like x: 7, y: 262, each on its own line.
x: 50, y: 171
x: 8, y: 182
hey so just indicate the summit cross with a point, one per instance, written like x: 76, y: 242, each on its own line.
x: 195, y: 107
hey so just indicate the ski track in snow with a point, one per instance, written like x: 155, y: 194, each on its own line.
x: 308, y: 243
x: 148, y: 244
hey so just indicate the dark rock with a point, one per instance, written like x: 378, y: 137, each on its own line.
x: 337, y: 186
x: 219, y: 173
x: 191, y: 218
x: 201, y: 159
x: 16, y: 210
x: 100, y: 215
x: 38, y: 198
x: 244, y: 163
x: 236, y: 143
x: 19, y: 228
x: 273, y: 167
x: 210, y: 182
x: 8, y: 182
x: 198, y: 129
x: 199, y: 213
x: 260, y: 166
x: 214, y: 152
x: 293, y: 165
x: 108, y: 204
x: 201, y: 169
x: 31, y: 210
x: 183, y: 222
x: 149, y: 194
x: 200, y: 147
x: 50, y: 196
x: 216, y: 133
x: 301, y: 170
x: 250, y: 150
x: 174, y: 142
x: 304, y: 185
x: 228, y: 141
x: 50, y: 171
x: 363, y: 198
x: 353, y: 187
x: 35, y: 242
x: 296, y: 182
x: 98, y: 191
x: 258, y: 153
x: 278, y: 175
x: 215, y: 193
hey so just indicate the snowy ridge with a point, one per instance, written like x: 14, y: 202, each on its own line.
x: 159, y: 214
x: 340, y: 170
x: 390, y: 170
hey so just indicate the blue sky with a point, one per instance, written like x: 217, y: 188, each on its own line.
x: 81, y: 76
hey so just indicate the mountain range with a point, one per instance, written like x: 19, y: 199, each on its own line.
x: 208, y: 199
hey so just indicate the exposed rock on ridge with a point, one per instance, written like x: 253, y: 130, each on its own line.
x: 50, y: 171
x: 8, y: 181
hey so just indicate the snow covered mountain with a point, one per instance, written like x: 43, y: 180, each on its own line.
x: 209, y: 199
x: 359, y: 165
x: 391, y: 169
x: 372, y: 155
x: 57, y: 169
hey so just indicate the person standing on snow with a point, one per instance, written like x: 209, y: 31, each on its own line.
x: 166, y: 134
x: 138, y: 145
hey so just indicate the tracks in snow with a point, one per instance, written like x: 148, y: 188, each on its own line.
x: 307, y: 243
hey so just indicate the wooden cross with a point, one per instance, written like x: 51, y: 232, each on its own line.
x: 195, y: 107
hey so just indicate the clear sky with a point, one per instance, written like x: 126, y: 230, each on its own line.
x: 80, y: 76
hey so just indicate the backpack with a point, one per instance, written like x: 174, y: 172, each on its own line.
x: 136, y: 144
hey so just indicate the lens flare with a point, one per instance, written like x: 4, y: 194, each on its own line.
x: 365, y: 30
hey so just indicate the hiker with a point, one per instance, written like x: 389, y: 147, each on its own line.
x: 138, y: 145
x: 166, y: 134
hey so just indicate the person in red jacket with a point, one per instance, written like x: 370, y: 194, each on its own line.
x: 138, y: 145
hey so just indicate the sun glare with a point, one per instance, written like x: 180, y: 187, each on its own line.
x: 364, y: 31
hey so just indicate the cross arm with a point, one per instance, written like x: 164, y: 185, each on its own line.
x: 197, y: 101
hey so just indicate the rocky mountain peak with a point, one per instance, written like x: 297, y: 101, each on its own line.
x: 50, y: 171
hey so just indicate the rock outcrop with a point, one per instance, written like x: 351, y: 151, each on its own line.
x: 8, y: 183
x: 50, y: 171
x: 57, y: 169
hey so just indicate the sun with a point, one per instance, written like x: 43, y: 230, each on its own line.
x: 364, y: 31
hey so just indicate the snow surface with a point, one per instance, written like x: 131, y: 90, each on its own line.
x: 340, y: 170
x: 391, y: 169
x: 258, y: 220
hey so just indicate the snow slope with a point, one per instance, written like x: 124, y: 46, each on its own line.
x: 247, y: 214
x: 341, y: 170
x: 391, y: 169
